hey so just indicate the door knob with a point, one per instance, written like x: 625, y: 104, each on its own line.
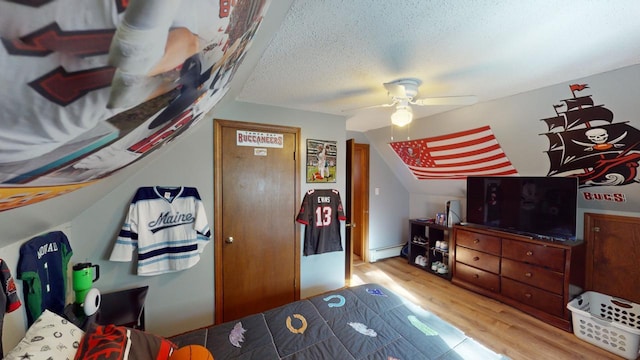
x: 229, y: 240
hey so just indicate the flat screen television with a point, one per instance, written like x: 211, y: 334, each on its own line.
x: 540, y: 207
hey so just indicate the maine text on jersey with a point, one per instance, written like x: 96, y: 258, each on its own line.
x: 166, y: 220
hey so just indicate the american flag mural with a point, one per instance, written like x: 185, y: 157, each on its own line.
x: 455, y: 156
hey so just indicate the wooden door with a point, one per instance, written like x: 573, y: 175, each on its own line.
x: 360, y: 179
x: 357, y: 205
x: 348, y: 258
x: 257, y: 240
x: 613, y: 250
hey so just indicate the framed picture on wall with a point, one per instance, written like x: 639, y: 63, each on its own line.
x: 321, y: 161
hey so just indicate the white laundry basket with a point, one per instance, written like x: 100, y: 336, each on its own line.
x: 607, y: 322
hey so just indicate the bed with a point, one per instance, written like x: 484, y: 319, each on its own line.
x: 363, y: 322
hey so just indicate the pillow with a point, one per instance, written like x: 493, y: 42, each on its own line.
x: 50, y: 337
x: 122, y: 343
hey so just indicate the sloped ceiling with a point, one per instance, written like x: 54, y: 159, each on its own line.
x: 332, y: 55
x: 26, y: 221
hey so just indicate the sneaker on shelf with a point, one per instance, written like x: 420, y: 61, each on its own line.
x: 443, y: 269
x: 417, y: 259
x: 423, y: 261
x: 444, y: 245
x: 435, y: 265
x: 438, y: 244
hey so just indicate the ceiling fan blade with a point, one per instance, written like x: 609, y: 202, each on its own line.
x: 395, y: 89
x: 370, y: 107
x: 446, y: 100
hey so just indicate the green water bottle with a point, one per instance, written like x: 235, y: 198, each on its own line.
x: 83, y: 278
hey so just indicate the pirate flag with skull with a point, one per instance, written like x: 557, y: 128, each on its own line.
x: 585, y: 142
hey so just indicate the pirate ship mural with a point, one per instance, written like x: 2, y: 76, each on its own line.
x: 585, y: 142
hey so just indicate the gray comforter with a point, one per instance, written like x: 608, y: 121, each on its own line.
x: 362, y: 322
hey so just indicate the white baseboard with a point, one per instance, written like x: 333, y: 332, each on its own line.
x: 385, y: 252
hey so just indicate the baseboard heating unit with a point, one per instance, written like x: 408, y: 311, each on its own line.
x: 385, y: 252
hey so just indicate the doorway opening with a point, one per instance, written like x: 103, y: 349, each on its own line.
x: 357, y: 204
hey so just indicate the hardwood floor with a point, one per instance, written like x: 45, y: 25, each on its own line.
x: 500, y: 327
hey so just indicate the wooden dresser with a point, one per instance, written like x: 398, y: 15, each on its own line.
x: 531, y: 275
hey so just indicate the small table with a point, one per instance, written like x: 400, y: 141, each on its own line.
x: 121, y: 308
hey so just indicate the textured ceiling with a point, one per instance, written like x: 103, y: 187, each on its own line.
x: 333, y: 55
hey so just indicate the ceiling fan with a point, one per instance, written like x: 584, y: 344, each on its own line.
x: 403, y: 93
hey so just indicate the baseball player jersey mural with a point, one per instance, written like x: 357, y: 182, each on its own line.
x: 43, y: 269
x: 321, y: 212
x: 167, y: 226
x: 9, y: 300
x: 585, y: 142
x: 96, y: 85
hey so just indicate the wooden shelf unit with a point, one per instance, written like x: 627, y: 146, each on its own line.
x: 431, y: 233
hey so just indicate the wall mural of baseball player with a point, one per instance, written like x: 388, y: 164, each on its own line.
x: 585, y: 142
x: 97, y: 85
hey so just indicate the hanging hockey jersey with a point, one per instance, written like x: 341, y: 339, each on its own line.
x: 321, y: 212
x: 9, y: 300
x: 166, y: 226
x: 43, y: 269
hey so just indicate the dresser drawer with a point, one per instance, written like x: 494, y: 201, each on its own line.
x: 539, y: 254
x: 478, y: 259
x: 482, y: 242
x: 533, y: 275
x: 532, y: 296
x: 477, y: 277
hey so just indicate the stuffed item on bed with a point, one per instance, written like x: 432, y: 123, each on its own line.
x: 50, y: 337
x: 122, y: 343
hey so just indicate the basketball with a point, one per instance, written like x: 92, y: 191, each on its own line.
x: 191, y: 352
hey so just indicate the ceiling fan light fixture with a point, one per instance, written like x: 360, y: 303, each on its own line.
x: 402, y: 116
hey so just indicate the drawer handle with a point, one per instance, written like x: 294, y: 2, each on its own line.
x: 475, y: 258
x: 476, y: 276
x: 528, y: 296
x: 528, y: 274
x: 476, y: 241
x: 529, y: 253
